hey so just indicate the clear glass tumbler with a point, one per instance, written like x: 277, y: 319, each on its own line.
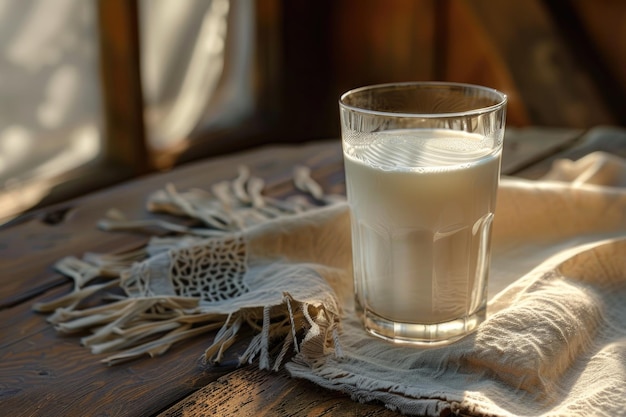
x: 422, y: 163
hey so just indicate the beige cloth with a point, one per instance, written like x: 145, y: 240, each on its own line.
x: 553, y: 343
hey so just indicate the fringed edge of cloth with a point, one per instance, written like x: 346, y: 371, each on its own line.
x: 129, y: 326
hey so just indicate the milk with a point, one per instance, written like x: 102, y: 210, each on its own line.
x: 422, y: 204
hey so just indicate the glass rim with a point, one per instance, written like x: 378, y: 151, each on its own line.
x: 499, y: 96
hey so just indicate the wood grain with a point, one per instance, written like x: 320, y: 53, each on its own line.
x: 261, y: 393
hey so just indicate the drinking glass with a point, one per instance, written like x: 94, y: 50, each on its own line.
x: 422, y: 164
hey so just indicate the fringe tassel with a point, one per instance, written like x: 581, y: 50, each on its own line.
x: 284, y: 331
x: 294, y: 338
x: 135, y: 323
x: 161, y: 345
x: 223, y: 340
x: 264, y: 360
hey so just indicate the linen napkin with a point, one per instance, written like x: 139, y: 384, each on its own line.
x: 553, y: 343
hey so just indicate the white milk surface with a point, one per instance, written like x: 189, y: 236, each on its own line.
x: 422, y: 202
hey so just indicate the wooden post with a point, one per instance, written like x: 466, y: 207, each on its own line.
x: 125, y: 143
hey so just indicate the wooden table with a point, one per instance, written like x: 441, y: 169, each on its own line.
x: 45, y: 374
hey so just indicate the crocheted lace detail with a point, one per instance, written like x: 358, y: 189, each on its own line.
x: 213, y: 271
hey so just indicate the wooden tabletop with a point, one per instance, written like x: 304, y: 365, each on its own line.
x: 45, y: 374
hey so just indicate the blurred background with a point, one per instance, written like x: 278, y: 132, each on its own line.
x: 94, y: 92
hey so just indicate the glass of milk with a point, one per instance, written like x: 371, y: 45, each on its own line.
x: 422, y: 164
